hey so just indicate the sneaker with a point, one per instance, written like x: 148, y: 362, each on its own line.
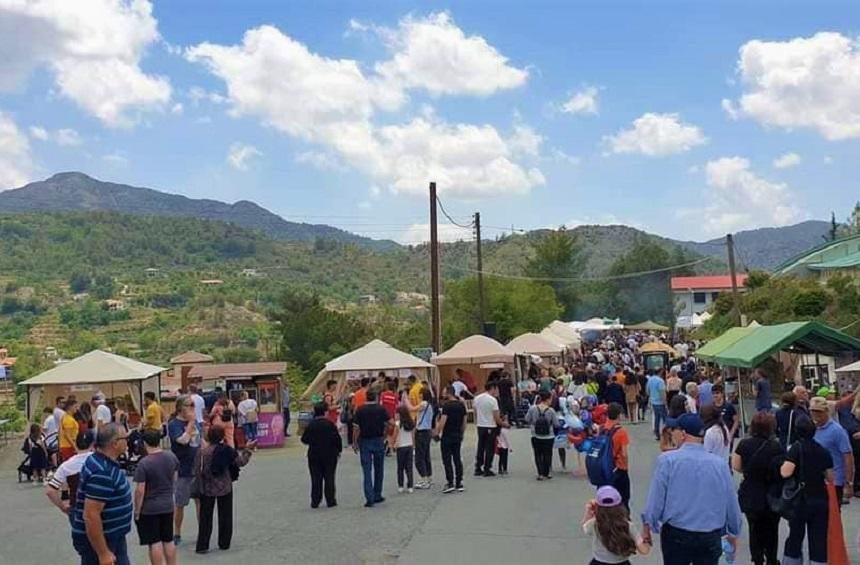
x: 422, y: 485
x: 539, y: 477
x: 380, y: 499
x: 448, y: 488
x: 479, y: 473
x: 400, y: 490
x: 461, y: 488
x: 548, y: 477
x: 177, y: 540
x: 489, y: 474
x: 368, y: 505
x: 410, y: 490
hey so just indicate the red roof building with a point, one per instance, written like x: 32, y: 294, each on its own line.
x: 710, y: 282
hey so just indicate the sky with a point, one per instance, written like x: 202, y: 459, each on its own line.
x: 686, y: 119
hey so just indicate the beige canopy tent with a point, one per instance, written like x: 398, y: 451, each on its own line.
x: 569, y: 336
x: 368, y: 361
x: 97, y: 371
x: 648, y: 325
x: 476, y: 354
x: 535, y: 344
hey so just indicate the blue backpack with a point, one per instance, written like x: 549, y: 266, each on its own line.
x: 600, y: 460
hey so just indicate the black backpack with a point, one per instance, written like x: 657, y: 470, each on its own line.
x: 542, y: 424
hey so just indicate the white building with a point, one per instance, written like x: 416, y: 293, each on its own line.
x: 693, y: 295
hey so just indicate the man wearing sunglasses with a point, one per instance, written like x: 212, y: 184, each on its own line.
x: 103, y: 509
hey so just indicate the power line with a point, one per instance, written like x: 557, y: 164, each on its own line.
x: 585, y: 279
x: 450, y: 219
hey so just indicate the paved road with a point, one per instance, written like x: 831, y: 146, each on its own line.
x: 507, y: 520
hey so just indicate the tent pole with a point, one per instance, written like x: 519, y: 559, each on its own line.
x: 741, y: 402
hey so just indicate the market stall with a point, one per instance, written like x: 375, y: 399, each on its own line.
x: 479, y: 355
x: 95, y: 372
x: 368, y: 361
x: 536, y: 344
x: 648, y: 326
x: 262, y: 381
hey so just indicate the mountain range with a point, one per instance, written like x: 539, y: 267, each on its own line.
x: 77, y: 192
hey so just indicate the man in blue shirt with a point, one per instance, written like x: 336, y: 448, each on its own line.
x: 656, y: 389
x: 763, y: 402
x: 706, y: 394
x: 103, y: 508
x: 833, y: 437
x: 692, y: 501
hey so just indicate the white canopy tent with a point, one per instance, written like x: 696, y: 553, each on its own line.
x: 535, y: 344
x: 853, y: 367
x: 369, y: 360
x: 94, y: 372
x: 477, y: 354
x: 553, y: 338
x: 570, y: 335
x: 597, y: 324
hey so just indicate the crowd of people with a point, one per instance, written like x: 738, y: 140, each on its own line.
x: 796, y: 461
x: 190, y: 455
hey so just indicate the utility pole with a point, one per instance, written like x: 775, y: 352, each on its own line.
x: 435, y: 310
x: 736, y: 309
x: 481, y: 303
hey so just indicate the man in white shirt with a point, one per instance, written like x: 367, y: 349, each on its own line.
x: 488, y: 421
x: 58, y: 410
x: 65, y: 477
x: 248, y: 416
x: 102, y: 416
x: 199, y: 405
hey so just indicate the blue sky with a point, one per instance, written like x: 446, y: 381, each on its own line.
x: 685, y: 119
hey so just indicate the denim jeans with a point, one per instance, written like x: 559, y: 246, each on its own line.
x: 683, y: 547
x: 116, y: 545
x: 250, y: 431
x: 452, y: 461
x: 659, y: 417
x: 372, y: 452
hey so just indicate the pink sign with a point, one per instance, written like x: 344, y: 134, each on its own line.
x: 270, y: 429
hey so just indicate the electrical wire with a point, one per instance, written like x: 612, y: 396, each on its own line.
x: 450, y: 219
x: 583, y: 279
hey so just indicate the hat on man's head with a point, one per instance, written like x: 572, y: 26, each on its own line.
x: 818, y: 404
x: 99, y: 397
x: 608, y: 497
x: 691, y: 424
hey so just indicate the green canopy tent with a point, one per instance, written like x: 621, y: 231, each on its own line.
x: 648, y: 326
x: 752, y: 349
x: 717, y: 345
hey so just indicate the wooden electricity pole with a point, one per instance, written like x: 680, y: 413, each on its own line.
x: 435, y: 310
x: 481, y: 303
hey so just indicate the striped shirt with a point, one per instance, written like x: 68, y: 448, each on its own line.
x: 103, y: 480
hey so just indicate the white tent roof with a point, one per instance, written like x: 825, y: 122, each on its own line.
x: 95, y: 367
x: 475, y: 349
x: 376, y: 355
x: 553, y: 337
x: 535, y: 344
x: 570, y: 336
x: 849, y: 368
x: 600, y: 324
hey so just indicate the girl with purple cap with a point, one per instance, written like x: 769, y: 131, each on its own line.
x: 614, y: 540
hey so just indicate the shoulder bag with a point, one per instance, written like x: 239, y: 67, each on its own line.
x: 789, y: 498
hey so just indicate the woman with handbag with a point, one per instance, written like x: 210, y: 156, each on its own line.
x: 806, y: 469
x: 216, y: 467
x: 759, y: 457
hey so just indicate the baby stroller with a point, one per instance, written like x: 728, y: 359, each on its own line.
x: 522, y: 409
x: 128, y: 461
x: 25, y: 469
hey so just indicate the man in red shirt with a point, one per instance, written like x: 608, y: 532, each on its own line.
x: 620, y: 443
x: 388, y: 399
x: 359, y: 399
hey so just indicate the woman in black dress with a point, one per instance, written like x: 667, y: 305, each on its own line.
x: 759, y: 457
x: 813, y: 465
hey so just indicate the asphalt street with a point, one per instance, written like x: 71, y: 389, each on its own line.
x: 500, y: 520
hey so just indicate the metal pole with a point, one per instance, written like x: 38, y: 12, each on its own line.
x: 736, y: 309
x: 436, y: 327
x: 481, y: 303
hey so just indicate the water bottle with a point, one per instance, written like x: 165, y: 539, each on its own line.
x: 728, y: 552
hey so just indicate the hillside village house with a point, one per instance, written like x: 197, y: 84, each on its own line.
x: 839, y: 257
x: 694, y: 295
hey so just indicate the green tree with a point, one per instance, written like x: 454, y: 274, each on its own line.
x: 103, y: 287
x: 515, y: 306
x: 559, y: 255
x: 238, y: 355
x: 79, y: 282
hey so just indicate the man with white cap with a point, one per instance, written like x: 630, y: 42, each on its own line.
x: 833, y: 437
x: 692, y: 501
x: 102, y: 416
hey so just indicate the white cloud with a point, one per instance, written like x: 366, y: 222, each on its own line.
x: 809, y: 82
x: 94, y: 50
x: 560, y: 156
x: 322, y: 161
x: 375, y: 192
x: 240, y: 155
x: 16, y: 164
x: 582, y: 102
x: 434, y: 54
x: 739, y: 199
x: 40, y: 133
x: 730, y: 109
x: 656, y: 135
x: 197, y: 94
x: 65, y: 137
x: 420, y: 233
x: 115, y: 159
x: 786, y: 161
x: 177, y: 108
x: 331, y: 102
